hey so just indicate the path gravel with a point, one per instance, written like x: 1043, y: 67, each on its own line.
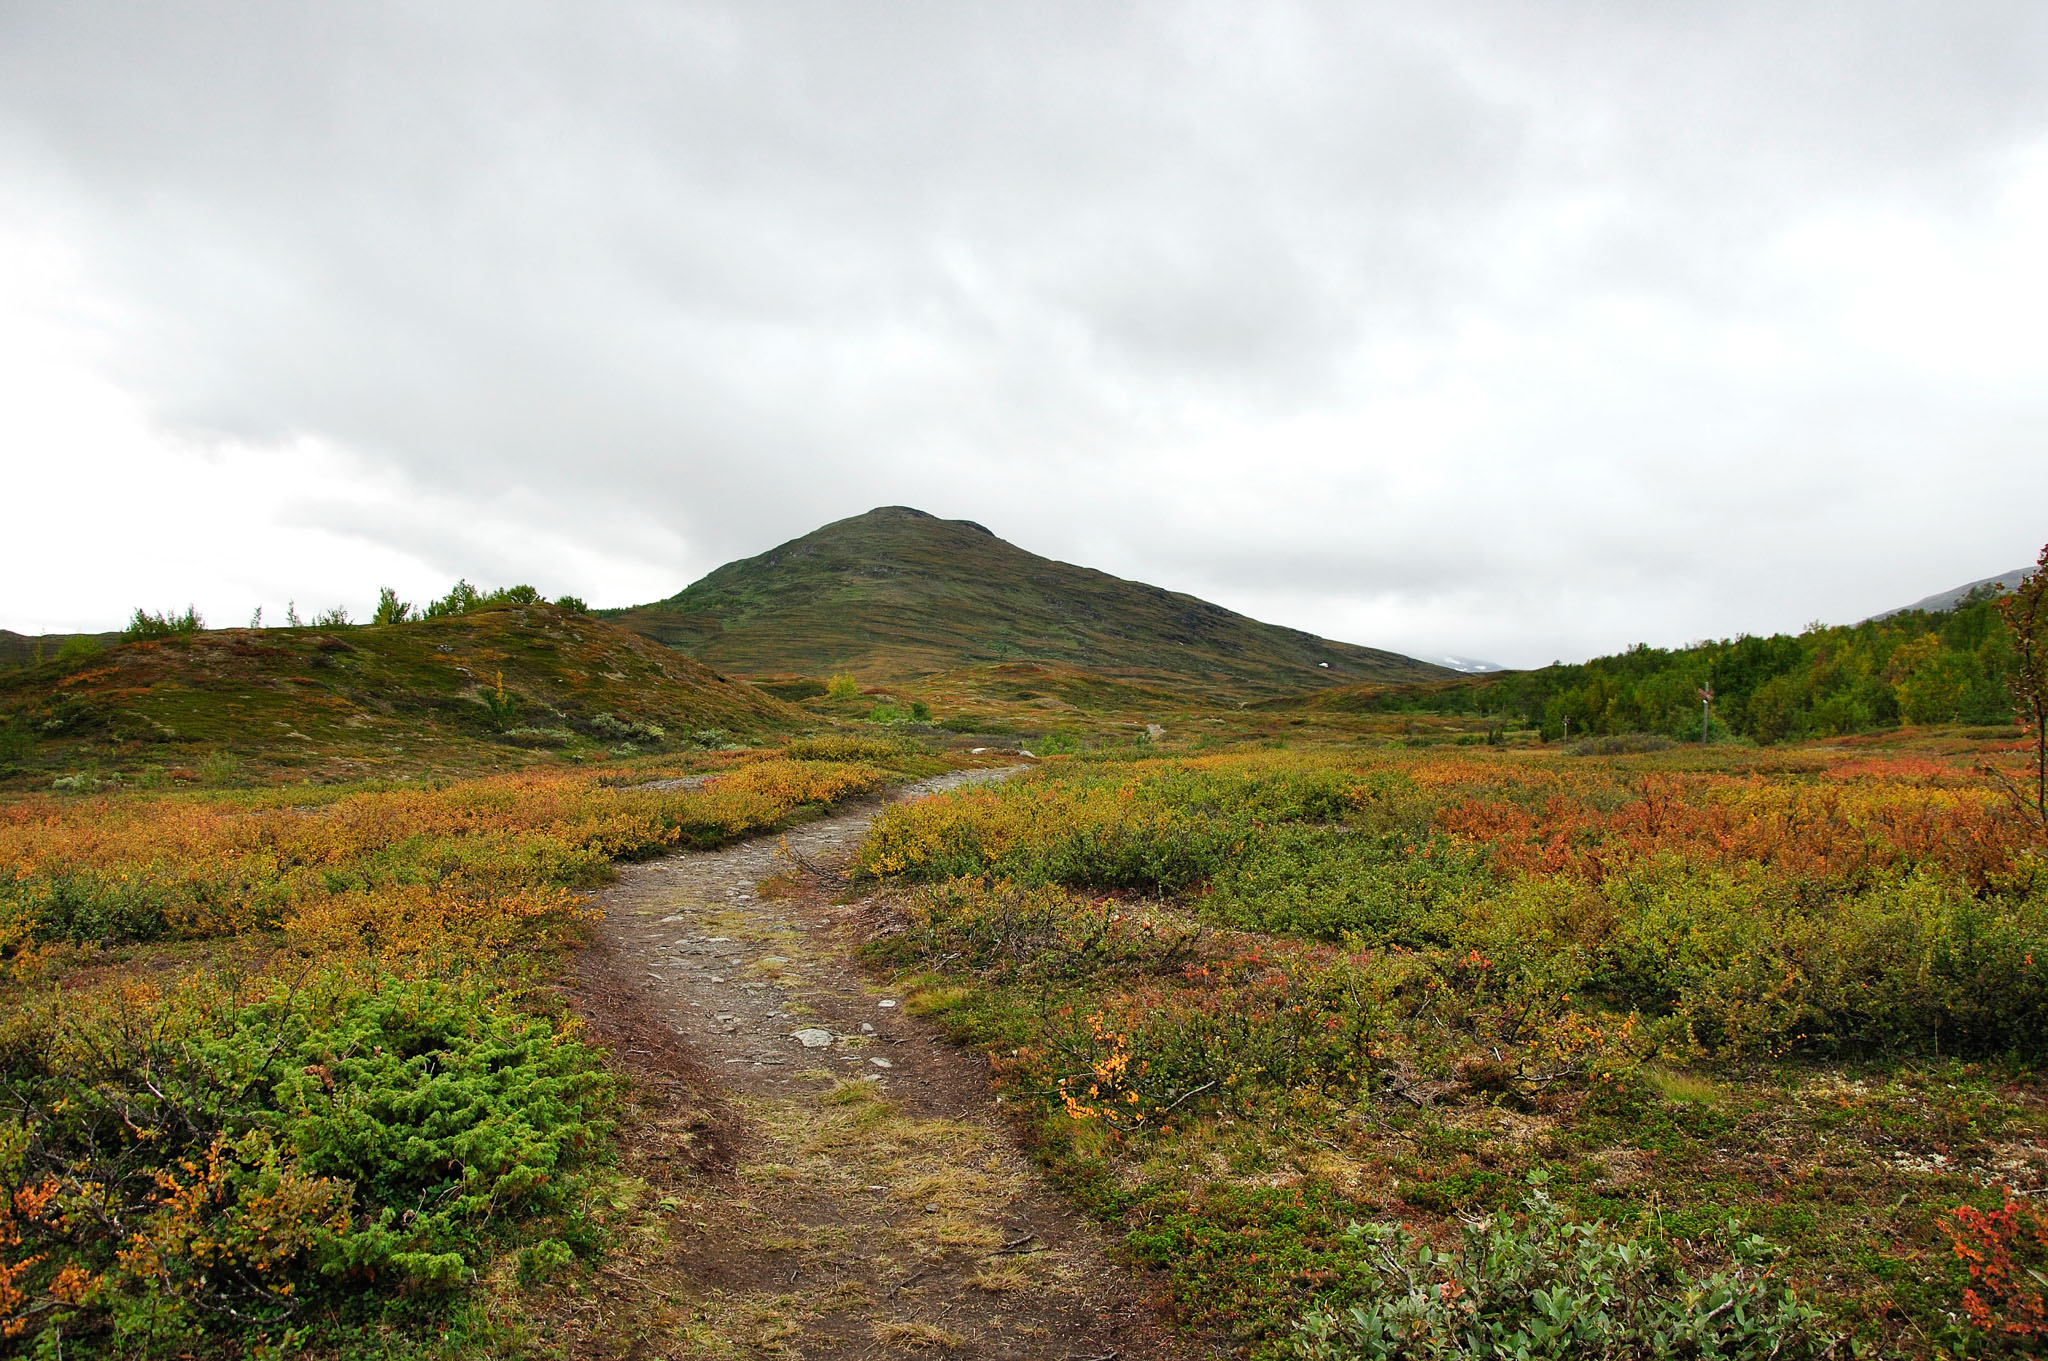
x: 833, y: 1178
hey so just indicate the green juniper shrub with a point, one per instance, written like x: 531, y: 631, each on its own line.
x: 612, y: 728
x: 230, y: 1155
x: 1550, y: 1288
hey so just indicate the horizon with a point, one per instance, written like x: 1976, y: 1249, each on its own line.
x: 359, y: 611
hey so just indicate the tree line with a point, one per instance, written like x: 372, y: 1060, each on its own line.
x: 1916, y: 666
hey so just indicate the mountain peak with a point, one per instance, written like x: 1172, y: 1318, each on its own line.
x: 897, y: 593
x: 903, y: 515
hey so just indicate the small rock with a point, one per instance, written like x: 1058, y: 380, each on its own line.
x: 866, y: 1027
x: 773, y: 959
x: 810, y: 1037
x: 881, y: 1063
x: 714, y: 978
x: 931, y: 1207
x: 886, y: 1002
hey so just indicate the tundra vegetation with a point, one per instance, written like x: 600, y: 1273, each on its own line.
x: 1365, y: 1045
x: 283, y: 1070
x: 1419, y: 1054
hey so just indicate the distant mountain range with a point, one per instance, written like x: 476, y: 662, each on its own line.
x: 896, y: 594
x: 1949, y: 599
x: 1469, y: 666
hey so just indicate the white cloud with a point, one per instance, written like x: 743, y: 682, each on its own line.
x: 1510, y: 332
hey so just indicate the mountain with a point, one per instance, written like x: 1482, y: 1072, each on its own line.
x: 340, y: 702
x: 897, y: 594
x: 1469, y: 666
x: 25, y: 649
x: 1948, y: 600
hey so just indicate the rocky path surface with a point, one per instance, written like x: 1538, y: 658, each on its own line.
x: 819, y: 1173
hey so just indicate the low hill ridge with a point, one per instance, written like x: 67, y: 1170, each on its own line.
x: 346, y: 701
x: 898, y: 593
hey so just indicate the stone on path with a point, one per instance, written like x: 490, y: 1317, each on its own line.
x: 810, y: 1037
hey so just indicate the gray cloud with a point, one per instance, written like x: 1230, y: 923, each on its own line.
x: 1511, y: 331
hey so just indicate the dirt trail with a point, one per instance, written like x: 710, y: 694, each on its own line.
x: 825, y: 1176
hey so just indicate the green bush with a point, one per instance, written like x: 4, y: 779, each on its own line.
x: 842, y: 686
x: 229, y: 1157
x: 1908, y: 965
x: 82, y: 907
x: 143, y: 624
x: 612, y: 728
x: 463, y: 597
x: 77, y: 648
x: 390, y: 609
x: 845, y: 749
x: 17, y: 741
x: 1549, y: 1288
x: 1335, y: 882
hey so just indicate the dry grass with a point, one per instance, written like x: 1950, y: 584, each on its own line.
x: 1000, y: 1279
x: 915, y: 1335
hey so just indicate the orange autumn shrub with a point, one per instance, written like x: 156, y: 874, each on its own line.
x: 146, y: 867
x: 2006, y: 1252
x: 1839, y: 833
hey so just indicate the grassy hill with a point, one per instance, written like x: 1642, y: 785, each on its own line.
x: 897, y: 594
x: 26, y: 649
x: 452, y: 693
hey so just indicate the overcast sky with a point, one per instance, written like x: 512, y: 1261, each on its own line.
x: 1518, y: 331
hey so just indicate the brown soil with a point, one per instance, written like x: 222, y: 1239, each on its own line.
x: 859, y: 1196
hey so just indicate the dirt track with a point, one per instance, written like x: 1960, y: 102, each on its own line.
x: 859, y: 1195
